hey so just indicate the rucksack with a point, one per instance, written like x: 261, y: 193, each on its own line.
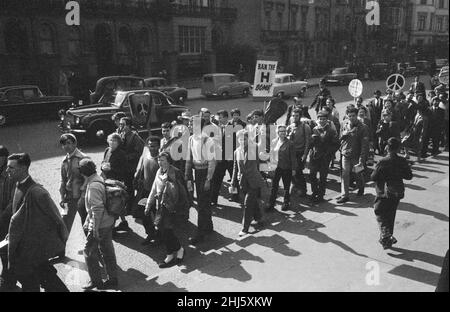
x: 116, y: 197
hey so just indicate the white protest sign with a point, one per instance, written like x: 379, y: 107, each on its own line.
x: 443, y: 75
x: 355, y: 88
x: 264, y: 78
x: 395, y: 82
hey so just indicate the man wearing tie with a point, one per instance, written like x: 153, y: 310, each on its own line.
x: 375, y: 108
x: 37, y: 232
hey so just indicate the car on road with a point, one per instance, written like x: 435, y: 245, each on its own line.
x: 422, y: 67
x: 179, y: 94
x: 378, y: 71
x: 27, y: 102
x: 111, y: 84
x: 404, y: 69
x: 224, y: 85
x: 340, y: 76
x: 148, y: 109
x: 440, y: 63
x: 287, y: 85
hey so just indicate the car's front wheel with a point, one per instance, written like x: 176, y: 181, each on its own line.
x: 245, y: 92
x: 302, y: 92
x: 225, y: 94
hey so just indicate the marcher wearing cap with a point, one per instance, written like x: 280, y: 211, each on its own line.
x: 321, y: 150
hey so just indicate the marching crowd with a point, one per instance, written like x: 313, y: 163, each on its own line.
x: 158, y: 188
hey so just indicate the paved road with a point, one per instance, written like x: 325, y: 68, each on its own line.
x: 312, y: 248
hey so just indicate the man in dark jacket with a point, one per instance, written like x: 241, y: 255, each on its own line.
x: 321, y: 98
x: 133, y: 146
x: 37, y: 232
x: 7, y: 280
x: 354, y: 150
x: 437, y: 120
x: 388, y: 176
x: 323, y: 145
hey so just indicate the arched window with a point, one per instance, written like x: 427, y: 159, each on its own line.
x: 46, y: 39
x: 144, y: 41
x: 124, y: 47
x: 74, y: 42
x: 16, y: 38
x: 216, y: 38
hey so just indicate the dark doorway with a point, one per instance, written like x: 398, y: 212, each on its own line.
x: 104, y: 50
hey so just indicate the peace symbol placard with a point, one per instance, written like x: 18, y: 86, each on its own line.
x: 395, y: 82
x: 355, y: 88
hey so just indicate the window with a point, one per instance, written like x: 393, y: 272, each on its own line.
x: 192, y: 39
x: 268, y: 22
x: 423, y: 2
x: 74, y: 43
x: 440, y: 23
x: 46, y: 40
x: 421, y: 22
x: 441, y: 4
x: 30, y: 93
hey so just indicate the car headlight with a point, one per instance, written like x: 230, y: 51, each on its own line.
x: 77, y: 120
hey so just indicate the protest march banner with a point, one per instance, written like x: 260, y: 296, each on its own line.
x: 264, y: 78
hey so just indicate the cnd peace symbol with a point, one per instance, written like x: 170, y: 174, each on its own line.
x: 395, y: 82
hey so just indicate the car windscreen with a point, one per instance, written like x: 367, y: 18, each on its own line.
x: 338, y: 71
x: 118, y: 99
x: 127, y: 84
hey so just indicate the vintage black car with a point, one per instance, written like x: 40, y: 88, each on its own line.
x: 379, y: 71
x: 340, y: 76
x: 112, y: 84
x: 26, y: 102
x: 179, y: 94
x: 147, y: 108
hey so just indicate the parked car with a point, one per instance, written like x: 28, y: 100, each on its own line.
x: 148, y: 109
x: 440, y: 63
x: 158, y: 83
x: 422, y: 67
x: 378, y: 71
x: 224, y: 85
x: 341, y: 76
x: 404, y: 69
x: 287, y: 85
x: 26, y: 102
x: 111, y: 84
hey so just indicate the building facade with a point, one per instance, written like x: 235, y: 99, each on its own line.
x: 429, y: 27
x: 140, y: 37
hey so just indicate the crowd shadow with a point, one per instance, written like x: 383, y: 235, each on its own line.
x: 415, y: 187
x: 227, y: 264
x: 418, y: 210
x: 416, y: 168
x: 416, y: 274
x: 412, y: 255
x: 276, y: 242
x: 310, y: 229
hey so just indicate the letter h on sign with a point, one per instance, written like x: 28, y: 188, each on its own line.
x: 265, y: 77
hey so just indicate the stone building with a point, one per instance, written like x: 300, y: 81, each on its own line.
x: 140, y: 37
